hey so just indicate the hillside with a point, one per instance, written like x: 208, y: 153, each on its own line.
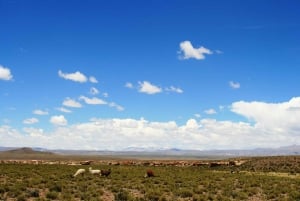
x: 25, y: 153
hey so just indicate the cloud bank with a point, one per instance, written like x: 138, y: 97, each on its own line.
x: 268, y: 125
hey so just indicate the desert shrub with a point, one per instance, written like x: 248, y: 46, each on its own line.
x: 122, y: 195
x: 2, y: 190
x: 52, y: 195
x: 21, y: 198
x: 33, y: 193
x: 67, y: 196
x: 169, y: 183
x: 153, y: 195
x: 185, y: 193
x: 295, y: 195
x: 55, y: 187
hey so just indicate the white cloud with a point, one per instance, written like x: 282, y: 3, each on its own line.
x: 234, y: 85
x: 270, y: 125
x: 71, y: 103
x: 93, y: 79
x: 271, y: 115
x: 129, y: 85
x: 197, y: 115
x: 118, y: 107
x: 34, y: 132
x: 94, y: 91
x: 59, y: 120
x: 92, y: 101
x: 105, y: 94
x: 210, y: 111
x: 191, y: 124
x: 187, y: 51
x: 5, y: 73
x: 221, y: 107
x: 65, y: 110
x: 218, y: 52
x: 30, y: 121
x: 174, y: 89
x: 76, y: 77
x: 40, y: 112
x: 148, y: 88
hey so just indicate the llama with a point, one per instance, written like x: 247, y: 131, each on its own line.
x: 106, y: 172
x: 149, y: 173
x: 94, y: 171
x: 78, y: 172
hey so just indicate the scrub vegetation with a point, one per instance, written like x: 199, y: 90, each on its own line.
x: 250, y: 181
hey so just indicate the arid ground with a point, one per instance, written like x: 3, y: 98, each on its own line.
x: 46, y: 176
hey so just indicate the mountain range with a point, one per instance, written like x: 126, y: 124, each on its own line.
x: 132, y: 151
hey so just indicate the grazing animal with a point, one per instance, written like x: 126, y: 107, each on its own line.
x: 105, y: 172
x: 78, y: 172
x: 149, y: 173
x: 85, y: 162
x: 94, y: 171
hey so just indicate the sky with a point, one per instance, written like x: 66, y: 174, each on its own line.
x: 122, y: 75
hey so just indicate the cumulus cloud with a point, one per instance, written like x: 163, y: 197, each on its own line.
x: 118, y: 134
x: 65, y: 110
x: 30, y: 121
x: 105, y: 94
x: 234, y: 85
x: 93, y: 79
x: 5, y: 73
x: 210, y: 111
x: 218, y: 51
x: 115, y: 105
x: 94, y: 91
x: 187, y: 51
x: 174, y: 89
x: 148, y: 88
x: 59, y: 120
x: 271, y: 115
x: 197, y: 115
x: 34, y: 132
x: 192, y: 124
x: 71, y: 103
x: 76, y: 77
x: 92, y: 101
x: 129, y: 85
x: 269, y: 125
x: 40, y: 112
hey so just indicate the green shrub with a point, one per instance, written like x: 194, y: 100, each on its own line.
x: 52, y: 195
x: 21, y: 198
x: 56, y: 187
x: 33, y: 193
x: 122, y: 195
x: 185, y: 193
x: 153, y: 196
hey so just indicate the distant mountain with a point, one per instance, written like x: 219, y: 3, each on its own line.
x: 26, y: 150
x: 24, y: 153
x: 6, y: 148
x: 133, y: 151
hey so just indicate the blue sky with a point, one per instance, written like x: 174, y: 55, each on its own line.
x: 149, y: 74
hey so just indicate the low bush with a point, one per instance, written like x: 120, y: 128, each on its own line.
x: 55, y: 182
